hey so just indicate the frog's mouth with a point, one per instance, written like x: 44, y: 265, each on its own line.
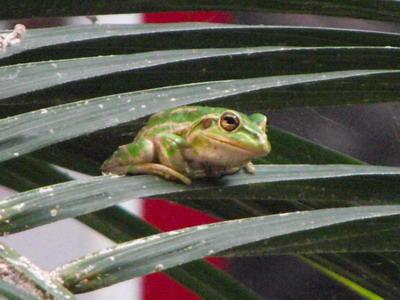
x: 230, y: 143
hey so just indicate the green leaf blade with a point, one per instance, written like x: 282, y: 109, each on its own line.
x: 157, y: 252
x: 93, y: 40
x: 20, y: 79
x: 11, y: 292
x: 376, y: 10
x: 71, y: 199
x: 119, y: 226
x: 24, y: 133
x: 22, y: 272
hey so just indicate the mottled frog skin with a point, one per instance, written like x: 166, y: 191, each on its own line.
x: 193, y: 142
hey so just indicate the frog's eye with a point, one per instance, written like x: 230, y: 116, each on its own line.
x: 229, y: 121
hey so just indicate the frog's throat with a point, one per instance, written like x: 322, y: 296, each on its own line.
x: 230, y: 143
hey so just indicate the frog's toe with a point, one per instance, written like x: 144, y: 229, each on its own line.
x: 118, y: 163
x: 161, y: 170
x: 111, y: 166
x: 249, y: 168
x: 115, y: 170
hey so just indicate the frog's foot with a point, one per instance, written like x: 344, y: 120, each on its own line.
x: 112, y: 166
x: 13, y: 37
x: 249, y: 168
x: 158, y: 169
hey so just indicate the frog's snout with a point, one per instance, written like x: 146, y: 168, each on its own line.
x: 266, y: 147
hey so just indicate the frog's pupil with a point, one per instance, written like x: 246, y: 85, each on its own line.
x: 230, y: 120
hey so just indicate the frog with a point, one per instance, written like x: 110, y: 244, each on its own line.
x: 191, y: 142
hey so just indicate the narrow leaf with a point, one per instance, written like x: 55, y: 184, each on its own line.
x: 71, y: 199
x: 24, y: 133
x: 20, y: 271
x: 377, y: 10
x: 115, y: 223
x: 10, y: 291
x: 289, y: 148
x: 158, y: 252
x: 214, y: 64
x: 377, y: 272
x: 93, y: 40
x: 119, y: 226
x: 24, y: 78
x: 345, y: 281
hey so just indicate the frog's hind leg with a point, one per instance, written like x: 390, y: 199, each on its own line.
x: 140, y: 151
x: 139, y: 158
x: 169, y: 149
x: 158, y: 169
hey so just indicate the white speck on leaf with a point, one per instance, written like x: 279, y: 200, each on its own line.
x: 159, y: 267
x: 45, y: 190
x: 44, y: 111
x: 201, y: 227
x: 54, y: 212
x: 101, y: 106
x: 19, y: 206
x: 283, y: 214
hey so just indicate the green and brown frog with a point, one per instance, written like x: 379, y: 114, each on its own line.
x: 191, y: 142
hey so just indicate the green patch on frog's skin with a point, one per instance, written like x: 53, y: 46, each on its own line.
x: 193, y: 142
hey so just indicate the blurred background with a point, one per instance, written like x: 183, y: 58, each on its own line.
x: 368, y: 132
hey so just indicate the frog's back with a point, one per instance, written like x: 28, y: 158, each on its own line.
x: 175, y: 120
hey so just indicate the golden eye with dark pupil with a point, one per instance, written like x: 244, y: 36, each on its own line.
x: 229, y: 121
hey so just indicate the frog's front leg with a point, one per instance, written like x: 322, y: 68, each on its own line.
x: 158, y: 169
x: 169, y: 149
x: 249, y: 168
